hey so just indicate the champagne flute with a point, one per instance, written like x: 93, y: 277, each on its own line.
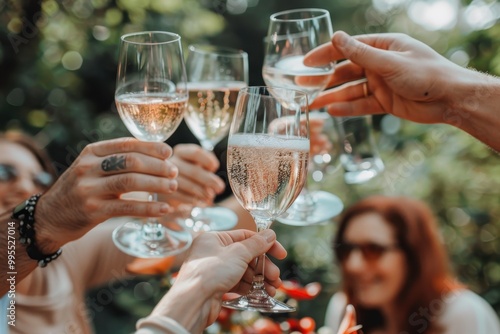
x: 215, y: 75
x: 291, y: 35
x: 151, y: 96
x: 267, y: 157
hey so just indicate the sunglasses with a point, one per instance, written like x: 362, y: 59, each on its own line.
x: 9, y: 173
x: 369, y: 251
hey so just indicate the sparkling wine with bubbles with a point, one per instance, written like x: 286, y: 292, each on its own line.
x: 267, y: 173
x: 151, y: 117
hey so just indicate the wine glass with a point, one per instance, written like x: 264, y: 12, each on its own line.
x: 359, y: 155
x: 291, y: 35
x: 215, y: 75
x: 267, y: 157
x: 151, y: 96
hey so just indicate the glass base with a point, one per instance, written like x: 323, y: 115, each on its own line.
x: 211, y: 219
x: 269, y: 305
x: 129, y: 238
x: 360, y: 176
x: 325, y: 206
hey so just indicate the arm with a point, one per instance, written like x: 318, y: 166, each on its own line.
x: 218, y: 262
x: 89, y: 193
x: 410, y: 80
x: 466, y: 312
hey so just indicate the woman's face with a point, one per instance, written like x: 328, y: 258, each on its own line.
x: 19, y: 172
x: 372, y: 262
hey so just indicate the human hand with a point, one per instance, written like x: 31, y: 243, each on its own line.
x: 218, y: 262
x: 89, y: 191
x: 319, y: 142
x: 197, y: 180
x: 405, y: 77
x: 348, y: 323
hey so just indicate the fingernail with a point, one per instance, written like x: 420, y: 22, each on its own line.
x: 166, y: 150
x: 164, y: 208
x: 269, y: 235
x: 221, y: 185
x: 173, y: 185
x: 174, y: 171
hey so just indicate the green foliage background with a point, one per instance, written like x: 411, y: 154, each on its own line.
x: 58, y: 65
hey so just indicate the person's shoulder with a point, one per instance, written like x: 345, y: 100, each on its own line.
x: 461, y: 301
x: 467, y: 308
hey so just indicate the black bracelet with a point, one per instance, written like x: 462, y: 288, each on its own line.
x: 25, y: 213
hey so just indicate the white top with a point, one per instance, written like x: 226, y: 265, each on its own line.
x: 159, y: 325
x: 459, y: 312
x: 56, y: 301
x: 4, y: 302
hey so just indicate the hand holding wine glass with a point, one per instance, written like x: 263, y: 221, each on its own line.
x: 291, y: 35
x: 268, y: 153
x: 215, y: 75
x: 151, y: 97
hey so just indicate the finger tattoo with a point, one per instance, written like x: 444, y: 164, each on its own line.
x: 113, y: 163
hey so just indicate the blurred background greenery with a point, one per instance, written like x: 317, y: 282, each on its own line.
x: 58, y: 66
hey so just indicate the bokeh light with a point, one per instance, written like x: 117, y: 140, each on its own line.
x: 434, y: 15
x: 72, y: 60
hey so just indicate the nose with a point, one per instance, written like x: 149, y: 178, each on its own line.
x: 355, y: 262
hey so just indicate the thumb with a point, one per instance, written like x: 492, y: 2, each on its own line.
x: 257, y: 244
x: 362, y: 52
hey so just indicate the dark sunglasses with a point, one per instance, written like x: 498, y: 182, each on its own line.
x: 9, y: 173
x: 370, y: 251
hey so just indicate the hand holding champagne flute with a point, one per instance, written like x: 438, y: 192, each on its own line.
x: 291, y: 35
x: 268, y: 153
x: 151, y: 97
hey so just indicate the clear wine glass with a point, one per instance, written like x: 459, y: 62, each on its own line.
x: 215, y: 75
x: 291, y: 35
x: 151, y: 96
x: 359, y: 154
x: 267, y: 157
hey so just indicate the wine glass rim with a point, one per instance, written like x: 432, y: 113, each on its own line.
x: 320, y: 11
x: 217, y: 50
x: 247, y: 89
x: 173, y: 37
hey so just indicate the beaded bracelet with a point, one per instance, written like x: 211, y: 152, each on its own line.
x: 25, y: 213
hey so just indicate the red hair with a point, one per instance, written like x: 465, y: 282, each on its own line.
x: 31, y: 145
x: 429, y: 276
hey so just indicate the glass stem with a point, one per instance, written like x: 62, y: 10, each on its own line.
x: 304, y: 202
x: 258, y: 292
x: 152, y: 230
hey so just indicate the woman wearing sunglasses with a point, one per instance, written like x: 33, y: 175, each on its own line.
x: 397, y: 275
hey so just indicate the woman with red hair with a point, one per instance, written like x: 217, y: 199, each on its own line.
x: 396, y: 273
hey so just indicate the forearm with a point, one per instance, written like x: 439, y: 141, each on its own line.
x: 15, y: 264
x: 474, y: 107
x: 183, y: 303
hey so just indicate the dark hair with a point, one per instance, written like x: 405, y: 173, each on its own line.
x: 31, y: 145
x: 429, y: 276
